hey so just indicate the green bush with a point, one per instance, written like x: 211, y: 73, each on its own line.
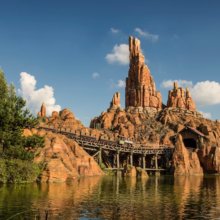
x: 3, y: 172
x: 102, y: 166
x: 18, y: 153
x: 34, y: 141
x: 18, y: 171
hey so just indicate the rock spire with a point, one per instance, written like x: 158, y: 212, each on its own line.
x: 140, y: 86
x: 115, y: 103
x: 180, y: 98
x: 43, y: 111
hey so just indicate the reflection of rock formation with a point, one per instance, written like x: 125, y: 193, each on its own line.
x: 180, y: 98
x: 140, y: 87
x: 111, y: 198
x: 65, y: 199
x: 184, y: 189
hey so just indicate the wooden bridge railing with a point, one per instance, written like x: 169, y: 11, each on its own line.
x: 91, y: 143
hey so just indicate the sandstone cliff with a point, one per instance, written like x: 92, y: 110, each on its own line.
x: 63, y: 159
x: 209, y: 149
x: 185, y: 162
x: 138, y: 126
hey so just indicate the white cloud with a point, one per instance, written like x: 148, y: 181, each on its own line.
x: 95, y: 75
x: 35, y: 97
x: 121, y: 83
x: 204, y: 93
x: 206, y: 114
x: 114, y: 30
x: 119, y: 55
x: 147, y: 35
x: 168, y: 84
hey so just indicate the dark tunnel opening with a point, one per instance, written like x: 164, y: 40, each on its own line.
x: 190, y: 143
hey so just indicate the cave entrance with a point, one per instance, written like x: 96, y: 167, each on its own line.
x: 192, y: 138
x: 190, y: 143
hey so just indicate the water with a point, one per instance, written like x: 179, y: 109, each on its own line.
x: 114, y: 198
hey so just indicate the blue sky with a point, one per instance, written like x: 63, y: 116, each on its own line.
x: 63, y: 43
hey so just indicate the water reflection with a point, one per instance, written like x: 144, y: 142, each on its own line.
x: 115, y: 198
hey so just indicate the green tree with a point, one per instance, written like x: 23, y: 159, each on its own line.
x: 14, y: 117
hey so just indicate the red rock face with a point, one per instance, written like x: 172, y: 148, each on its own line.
x: 185, y: 163
x: 43, y: 111
x: 64, y: 160
x: 115, y: 103
x: 55, y: 114
x: 140, y: 85
x: 180, y: 98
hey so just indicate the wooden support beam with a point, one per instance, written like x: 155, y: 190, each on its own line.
x: 131, y: 159
x: 100, y: 156
x: 94, y: 155
x: 156, y: 162
x: 118, y: 159
x: 152, y: 169
x: 143, y: 161
x: 157, y: 173
x: 113, y: 160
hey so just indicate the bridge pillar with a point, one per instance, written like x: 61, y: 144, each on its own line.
x: 157, y: 172
x: 144, y: 161
x: 131, y: 159
x: 100, y: 156
x: 118, y: 159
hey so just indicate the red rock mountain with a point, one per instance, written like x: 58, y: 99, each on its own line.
x: 140, y: 86
x: 147, y: 123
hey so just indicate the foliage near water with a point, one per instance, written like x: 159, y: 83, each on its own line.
x: 18, y: 171
x: 16, y: 151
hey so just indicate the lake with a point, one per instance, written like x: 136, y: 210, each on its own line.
x: 109, y: 197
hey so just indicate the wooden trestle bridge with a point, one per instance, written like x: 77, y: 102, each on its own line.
x: 115, y: 155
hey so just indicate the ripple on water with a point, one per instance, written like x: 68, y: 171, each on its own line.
x: 115, y: 198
